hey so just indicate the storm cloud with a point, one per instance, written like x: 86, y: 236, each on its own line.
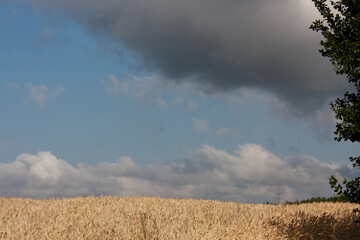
x: 219, y: 45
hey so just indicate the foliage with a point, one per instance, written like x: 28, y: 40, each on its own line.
x: 342, y: 47
x: 352, y: 191
x: 316, y: 200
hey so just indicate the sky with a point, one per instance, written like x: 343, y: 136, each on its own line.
x: 225, y: 100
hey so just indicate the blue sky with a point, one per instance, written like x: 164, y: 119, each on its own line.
x: 82, y: 90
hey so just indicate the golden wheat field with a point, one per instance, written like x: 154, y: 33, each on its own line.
x: 159, y: 218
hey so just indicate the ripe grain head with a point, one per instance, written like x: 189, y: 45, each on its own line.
x: 159, y: 218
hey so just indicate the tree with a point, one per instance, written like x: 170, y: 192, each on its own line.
x: 342, y: 47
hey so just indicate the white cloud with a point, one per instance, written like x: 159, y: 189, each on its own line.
x: 224, y: 132
x: 40, y: 94
x: 14, y: 86
x: 148, y: 90
x: 187, y: 104
x: 114, y: 86
x: 42, y: 174
x: 201, y: 125
x: 325, y: 116
x: 161, y: 103
x: 250, y: 174
x: 58, y: 91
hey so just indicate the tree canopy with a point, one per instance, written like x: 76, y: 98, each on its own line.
x: 340, y: 26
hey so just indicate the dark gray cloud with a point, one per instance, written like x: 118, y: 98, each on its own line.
x: 250, y: 174
x: 222, y: 45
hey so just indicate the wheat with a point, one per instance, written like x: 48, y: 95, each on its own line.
x: 159, y: 218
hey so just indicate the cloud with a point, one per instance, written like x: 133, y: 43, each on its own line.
x: 148, y: 90
x: 254, y: 44
x: 14, y: 86
x: 201, y: 125
x: 187, y: 104
x: 40, y: 94
x: 224, y: 132
x: 321, y: 121
x: 325, y: 116
x: 250, y: 174
x: 44, y: 38
x: 58, y: 91
x: 114, y: 86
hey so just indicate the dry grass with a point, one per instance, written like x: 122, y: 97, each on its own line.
x: 158, y: 218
